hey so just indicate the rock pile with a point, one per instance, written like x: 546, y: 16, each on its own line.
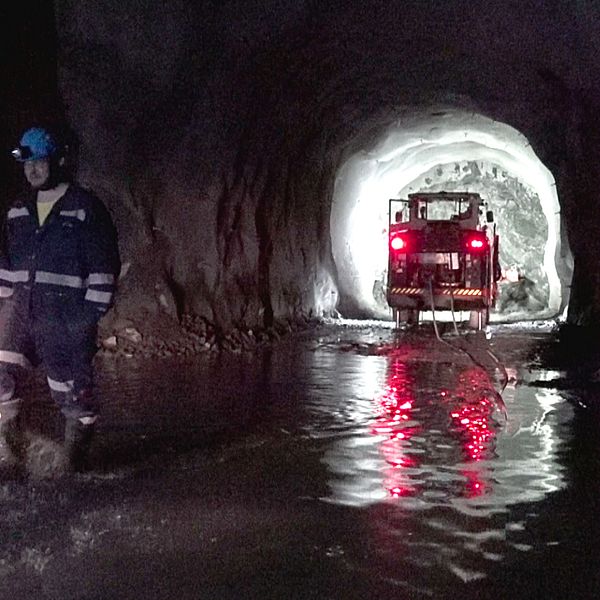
x: 194, y: 335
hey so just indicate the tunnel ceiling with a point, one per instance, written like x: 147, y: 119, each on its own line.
x: 216, y: 132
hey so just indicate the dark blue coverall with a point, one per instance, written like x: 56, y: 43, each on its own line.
x: 56, y: 281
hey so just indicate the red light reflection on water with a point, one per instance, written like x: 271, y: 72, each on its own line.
x: 472, y: 420
x: 471, y: 404
x: 393, y: 408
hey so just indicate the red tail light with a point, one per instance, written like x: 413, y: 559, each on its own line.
x: 476, y: 243
x: 398, y: 243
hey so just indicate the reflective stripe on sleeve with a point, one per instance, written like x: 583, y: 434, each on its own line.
x: 60, y: 386
x: 57, y: 279
x: 96, y: 296
x: 14, y: 276
x: 76, y: 214
x: 100, y: 279
x: 14, y: 213
x: 14, y: 358
x: 5, y: 292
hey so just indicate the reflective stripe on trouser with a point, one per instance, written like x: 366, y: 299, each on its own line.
x: 17, y: 350
x: 61, y: 336
x: 81, y: 405
x: 9, y: 410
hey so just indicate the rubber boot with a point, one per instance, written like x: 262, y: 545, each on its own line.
x: 12, y: 441
x: 78, y: 438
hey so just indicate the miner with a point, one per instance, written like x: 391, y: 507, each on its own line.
x: 59, y: 262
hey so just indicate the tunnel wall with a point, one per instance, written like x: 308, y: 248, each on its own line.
x: 214, y: 131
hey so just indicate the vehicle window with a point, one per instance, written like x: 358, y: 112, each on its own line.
x: 442, y: 210
x: 399, y: 211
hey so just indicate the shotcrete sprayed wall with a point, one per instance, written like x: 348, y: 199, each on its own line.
x: 417, y: 143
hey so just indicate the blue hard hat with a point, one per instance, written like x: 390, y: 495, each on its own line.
x: 36, y: 143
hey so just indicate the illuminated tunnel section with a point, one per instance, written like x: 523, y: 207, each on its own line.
x: 449, y: 150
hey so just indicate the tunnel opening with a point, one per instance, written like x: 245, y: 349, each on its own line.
x: 448, y: 149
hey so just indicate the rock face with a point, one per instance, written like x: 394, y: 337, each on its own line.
x: 521, y: 225
x: 214, y: 132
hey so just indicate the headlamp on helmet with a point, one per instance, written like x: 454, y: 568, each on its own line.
x: 36, y: 144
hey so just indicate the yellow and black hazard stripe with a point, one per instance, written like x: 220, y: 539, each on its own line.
x: 410, y: 291
x: 461, y: 292
x: 407, y: 291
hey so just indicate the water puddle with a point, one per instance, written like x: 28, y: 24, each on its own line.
x: 344, y: 465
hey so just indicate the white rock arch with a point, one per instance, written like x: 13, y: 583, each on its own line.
x: 414, y: 145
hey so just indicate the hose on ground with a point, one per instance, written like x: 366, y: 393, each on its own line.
x: 497, y: 394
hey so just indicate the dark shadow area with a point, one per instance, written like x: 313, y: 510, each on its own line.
x: 29, y: 78
x: 565, y: 528
x: 572, y: 349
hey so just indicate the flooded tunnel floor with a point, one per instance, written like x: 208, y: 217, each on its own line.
x: 347, y: 462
